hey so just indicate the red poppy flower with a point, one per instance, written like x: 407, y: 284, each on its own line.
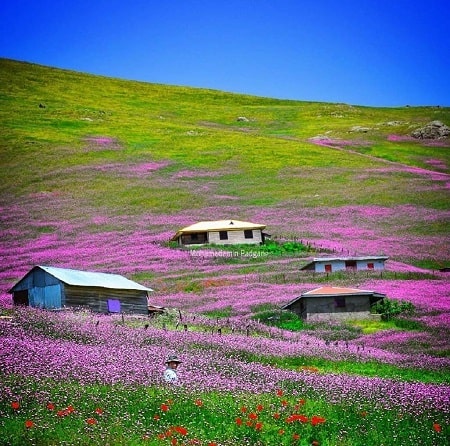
x: 164, y: 407
x: 315, y: 420
x: 301, y: 402
x: 213, y: 443
x: 50, y: 406
x: 239, y: 421
x: 281, y: 432
x: 253, y: 416
x: 249, y: 423
x: 276, y: 415
x: 161, y: 436
x: 279, y: 392
x: 297, y: 417
x: 156, y: 417
x: 437, y: 427
x: 258, y: 426
x: 99, y: 411
x: 243, y: 409
x: 315, y: 443
x: 181, y: 430
x: 284, y: 403
x: 363, y: 413
x: 295, y: 436
x: 15, y: 405
x: 173, y: 441
x: 91, y: 421
x: 259, y: 407
x: 198, y: 403
x: 29, y: 424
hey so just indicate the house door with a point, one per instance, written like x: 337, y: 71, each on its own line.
x: 46, y: 297
x: 350, y: 264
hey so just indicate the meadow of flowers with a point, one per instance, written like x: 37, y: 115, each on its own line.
x: 105, y: 189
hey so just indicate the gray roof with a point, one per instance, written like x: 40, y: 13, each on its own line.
x: 93, y: 279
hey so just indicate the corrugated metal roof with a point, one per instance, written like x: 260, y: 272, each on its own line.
x: 94, y: 279
x: 218, y: 225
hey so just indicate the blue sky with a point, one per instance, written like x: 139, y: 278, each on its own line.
x: 374, y: 53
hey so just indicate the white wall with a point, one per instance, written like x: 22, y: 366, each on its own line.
x: 235, y: 238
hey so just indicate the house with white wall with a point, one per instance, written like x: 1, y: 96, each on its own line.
x: 333, y: 264
x: 221, y: 232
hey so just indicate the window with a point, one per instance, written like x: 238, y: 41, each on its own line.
x: 248, y: 233
x: 339, y: 302
x: 223, y: 235
x: 370, y: 266
x: 113, y: 306
x: 328, y: 268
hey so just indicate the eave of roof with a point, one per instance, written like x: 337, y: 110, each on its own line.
x: 328, y: 259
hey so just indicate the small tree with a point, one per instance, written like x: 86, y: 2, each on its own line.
x: 390, y: 308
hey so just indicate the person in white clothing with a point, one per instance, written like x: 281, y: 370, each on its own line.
x: 170, y: 374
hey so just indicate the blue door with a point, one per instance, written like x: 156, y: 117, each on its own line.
x: 46, y: 297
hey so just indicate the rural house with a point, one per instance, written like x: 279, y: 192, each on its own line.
x: 334, y: 303
x: 332, y: 264
x: 55, y: 288
x: 221, y: 232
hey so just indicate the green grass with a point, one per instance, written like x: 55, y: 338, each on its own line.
x: 155, y: 122
x: 118, y: 415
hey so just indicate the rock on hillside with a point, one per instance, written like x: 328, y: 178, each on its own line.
x: 433, y: 130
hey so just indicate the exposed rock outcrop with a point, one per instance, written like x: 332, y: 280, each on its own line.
x: 433, y: 130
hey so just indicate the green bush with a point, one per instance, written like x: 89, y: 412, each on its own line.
x: 390, y: 308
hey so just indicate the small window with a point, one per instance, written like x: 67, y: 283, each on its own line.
x: 339, y: 302
x: 370, y: 266
x: 248, y: 233
x: 223, y: 235
x: 194, y: 236
x: 328, y: 268
x: 113, y: 306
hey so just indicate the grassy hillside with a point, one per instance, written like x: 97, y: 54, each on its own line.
x: 198, y: 129
x: 90, y: 145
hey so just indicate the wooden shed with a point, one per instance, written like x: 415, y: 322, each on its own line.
x: 56, y: 288
x: 332, y: 264
x: 221, y: 232
x: 334, y: 303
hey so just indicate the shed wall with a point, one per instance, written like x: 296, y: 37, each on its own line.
x: 318, y: 308
x: 131, y: 301
x: 328, y: 305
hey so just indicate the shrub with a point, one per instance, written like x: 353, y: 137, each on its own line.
x: 390, y: 308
